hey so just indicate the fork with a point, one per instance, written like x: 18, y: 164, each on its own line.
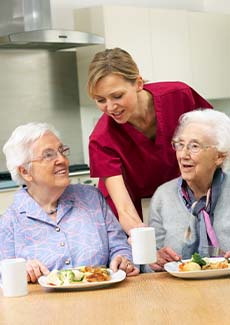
x: 180, y: 261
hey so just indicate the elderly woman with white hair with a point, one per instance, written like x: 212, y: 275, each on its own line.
x: 192, y: 213
x: 51, y: 223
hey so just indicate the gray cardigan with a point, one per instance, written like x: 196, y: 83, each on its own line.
x: 170, y: 218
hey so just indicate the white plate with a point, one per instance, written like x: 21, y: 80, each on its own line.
x: 172, y: 268
x: 115, y: 278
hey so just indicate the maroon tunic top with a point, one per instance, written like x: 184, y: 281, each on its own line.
x: 116, y: 149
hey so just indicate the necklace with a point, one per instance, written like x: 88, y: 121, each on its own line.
x: 52, y: 211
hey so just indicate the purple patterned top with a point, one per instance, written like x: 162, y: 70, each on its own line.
x: 85, y: 232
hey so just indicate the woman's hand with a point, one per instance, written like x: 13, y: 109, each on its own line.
x: 140, y: 225
x: 122, y: 263
x: 35, y: 269
x: 227, y: 254
x: 164, y: 255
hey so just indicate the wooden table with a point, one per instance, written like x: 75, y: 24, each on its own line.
x: 156, y: 298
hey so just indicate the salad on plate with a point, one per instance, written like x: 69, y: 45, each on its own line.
x: 78, y: 275
x: 197, y: 263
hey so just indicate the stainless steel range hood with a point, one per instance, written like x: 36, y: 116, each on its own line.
x: 49, y: 39
x: 28, y: 24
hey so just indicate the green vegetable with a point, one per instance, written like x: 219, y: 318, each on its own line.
x: 78, y: 275
x: 196, y: 258
x: 66, y: 276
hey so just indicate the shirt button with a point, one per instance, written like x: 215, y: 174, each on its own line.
x: 62, y: 243
x: 67, y: 262
x: 57, y: 229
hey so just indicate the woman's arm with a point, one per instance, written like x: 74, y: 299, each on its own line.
x: 128, y: 216
x: 120, y: 254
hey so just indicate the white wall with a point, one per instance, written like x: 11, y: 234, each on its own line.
x: 175, y: 4
x: 222, y: 105
x: 62, y: 10
x: 64, y: 7
x: 40, y: 86
x: 63, y: 17
x: 221, y: 6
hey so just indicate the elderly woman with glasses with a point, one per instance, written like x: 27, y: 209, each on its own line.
x: 191, y: 213
x: 52, y: 224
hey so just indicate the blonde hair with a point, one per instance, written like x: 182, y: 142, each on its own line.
x: 116, y: 61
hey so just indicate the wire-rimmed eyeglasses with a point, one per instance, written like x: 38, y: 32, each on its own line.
x: 51, y: 154
x: 192, y: 147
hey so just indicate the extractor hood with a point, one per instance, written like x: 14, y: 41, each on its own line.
x: 28, y: 24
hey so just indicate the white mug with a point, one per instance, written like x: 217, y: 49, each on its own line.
x: 13, y: 277
x: 143, y: 245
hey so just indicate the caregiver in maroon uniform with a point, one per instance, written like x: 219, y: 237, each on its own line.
x: 130, y: 147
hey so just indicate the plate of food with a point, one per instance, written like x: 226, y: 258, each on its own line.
x: 199, y: 268
x: 80, y: 278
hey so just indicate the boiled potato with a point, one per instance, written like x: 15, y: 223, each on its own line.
x: 190, y: 266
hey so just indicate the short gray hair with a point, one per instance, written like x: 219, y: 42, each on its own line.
x: 219, y: 124
x: 18, y: 147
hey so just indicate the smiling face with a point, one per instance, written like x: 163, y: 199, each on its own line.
x: 43, y: 174
x: 117, y: 97
x: 197, y: 169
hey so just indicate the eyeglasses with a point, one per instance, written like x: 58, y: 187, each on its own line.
x: 51, y: 154
x: 192, y: 147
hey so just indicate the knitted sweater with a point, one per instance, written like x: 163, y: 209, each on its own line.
x: 170, y: 218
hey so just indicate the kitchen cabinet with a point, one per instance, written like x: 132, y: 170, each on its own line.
x: 123, y: 27
x: 128, y: 28
x: 166, y: 44
x: 170, y: 45
x: 210, y: 52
